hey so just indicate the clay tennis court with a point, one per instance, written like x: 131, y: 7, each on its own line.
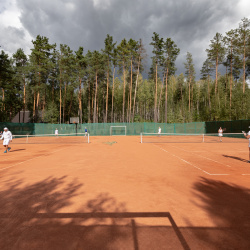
x: 118, y: 193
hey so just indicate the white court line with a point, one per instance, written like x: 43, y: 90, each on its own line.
x: 9, y: 158
x: 202, y: 156
x: 12, y: 157
x: 188, y: 162
x: 19, y: 163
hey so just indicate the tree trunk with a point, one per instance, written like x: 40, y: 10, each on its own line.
x: 80, y: 99
x: 64, y: 101
x: 92, y: 106
x: 216, y: 75
x: 34, y: 107
x: 128, y: 105
x: 3, y: 100
x: 89, y: 105
x: 231, y: 77
x: 166, y: 98
x: 209, y: 101
x: 60, y: 98
x: 136, y: 83
x: 53, y: 91
x: 189, y: 90
x: 44, y: 105
x: 113, y: 91
x: 155, y: 108
x: 244, y: 67
x: 130, y: 90
x: 159, y: 103
x: 70, y: 105
x: 123, y: 104
x: 37, y: 100
x: 24, y: 98
x: 97, y: 110
x: 38, y: 94
x: 103, y: 105
x: 95, y: 114
x: 107, y: 96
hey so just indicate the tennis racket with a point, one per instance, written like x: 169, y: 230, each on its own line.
x: 224, y: 129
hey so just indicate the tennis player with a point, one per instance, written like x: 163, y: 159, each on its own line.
x: 247, y: 135
x: 56, y: 132
x: 86, y: 132
x: 159, y: 131
x: 220, y: 133
x: 6, y: 137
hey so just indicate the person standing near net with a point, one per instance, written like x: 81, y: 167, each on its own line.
x: 247, y: 135
x: 56, y: 132
x: 7, y: 138
x: 86, y: 132
x: 220, y: 133
x: 159, y: 131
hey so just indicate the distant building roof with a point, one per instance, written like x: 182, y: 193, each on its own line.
x: 22, y: 114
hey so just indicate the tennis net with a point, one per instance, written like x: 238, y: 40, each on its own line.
x: 51, y: 139
x: 191, y: 138
x: 226, y: 138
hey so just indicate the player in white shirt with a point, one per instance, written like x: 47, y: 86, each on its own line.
x: 220, y: 133
x: 159, y: 131
x: 56, y: 132
x: 247, y: 135
x: 7, y: 138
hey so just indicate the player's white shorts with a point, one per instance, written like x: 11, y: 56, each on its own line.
x: 6, y: 142
x: 220, y: 134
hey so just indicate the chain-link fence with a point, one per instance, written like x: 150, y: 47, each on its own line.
x: 104, y: 128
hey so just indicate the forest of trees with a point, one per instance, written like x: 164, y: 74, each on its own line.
x: 55, y: 83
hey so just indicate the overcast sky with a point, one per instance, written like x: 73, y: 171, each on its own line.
x: 190, y: 23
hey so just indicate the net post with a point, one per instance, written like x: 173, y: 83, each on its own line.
x: 141, y: 137
x: 203, y: 138
x: 27, y: 139
x: 88, y: 137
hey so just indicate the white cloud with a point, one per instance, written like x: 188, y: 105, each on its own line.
x: 9, y: 15
x: 102, y: 4
x: 12, y: 33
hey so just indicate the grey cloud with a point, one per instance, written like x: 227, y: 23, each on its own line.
x: 12, y: 39
x: 191, y: 24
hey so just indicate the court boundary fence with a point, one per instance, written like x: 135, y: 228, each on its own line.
x: 103, y: 129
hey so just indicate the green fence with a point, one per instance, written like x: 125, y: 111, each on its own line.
x: 103, y: 128
x: 231, y: 126
x: 37, y: 128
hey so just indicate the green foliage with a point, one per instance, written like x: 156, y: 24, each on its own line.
x: 108, y: 85
x: 51, y: 114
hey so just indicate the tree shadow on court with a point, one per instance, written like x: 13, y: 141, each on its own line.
x: 20, y: 208
x: 228, y: 206
x: 30, y: 218
x: 236, y: 158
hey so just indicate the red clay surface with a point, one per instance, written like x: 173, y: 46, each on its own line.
x: 204, y: 187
